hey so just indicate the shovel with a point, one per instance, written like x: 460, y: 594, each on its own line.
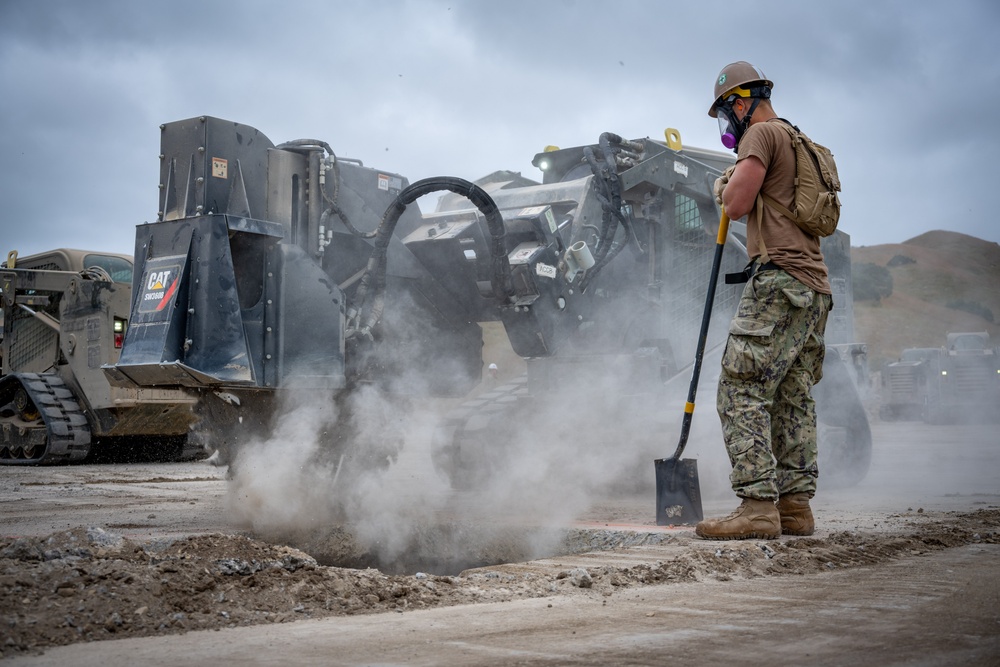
x: 678, y: 496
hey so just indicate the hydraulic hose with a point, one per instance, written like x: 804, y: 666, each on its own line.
x: 604, y: 183
x: 609, y: 195
x: 374, y: 277
x: 333, y: 207
x: 305, y: 145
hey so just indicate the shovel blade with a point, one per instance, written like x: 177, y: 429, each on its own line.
x: 678, y: 496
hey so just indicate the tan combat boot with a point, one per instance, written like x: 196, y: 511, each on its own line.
x: 753, y: 519
x: 796, y: 517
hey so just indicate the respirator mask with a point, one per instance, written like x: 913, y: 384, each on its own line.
x: 731, y: 128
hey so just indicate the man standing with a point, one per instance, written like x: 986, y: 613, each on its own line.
x: 774, y: 353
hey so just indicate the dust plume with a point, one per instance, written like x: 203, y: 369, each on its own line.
x: 368, y: 469
x: 278, y: 483
x: 387, y: 475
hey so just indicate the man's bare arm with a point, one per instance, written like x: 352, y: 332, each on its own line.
x: 741, y: 191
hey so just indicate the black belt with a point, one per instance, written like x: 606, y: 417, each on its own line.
x: 750, y: 271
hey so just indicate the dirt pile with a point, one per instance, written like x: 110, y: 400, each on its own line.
x: 90, y: 584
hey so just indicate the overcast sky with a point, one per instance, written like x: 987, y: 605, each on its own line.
x: 906, y: 94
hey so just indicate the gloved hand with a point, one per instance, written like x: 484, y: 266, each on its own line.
x: 720, y: 184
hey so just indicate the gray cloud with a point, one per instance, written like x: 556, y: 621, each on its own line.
x: 902, y: 92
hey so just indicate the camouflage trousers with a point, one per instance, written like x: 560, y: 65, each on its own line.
x: 774, y: 355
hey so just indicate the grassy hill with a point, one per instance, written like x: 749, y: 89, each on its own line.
x: 941, y: 282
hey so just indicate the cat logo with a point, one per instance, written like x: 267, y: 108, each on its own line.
x: 157, y: 279
x: 160, y: 287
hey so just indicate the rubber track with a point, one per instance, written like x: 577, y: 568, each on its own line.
x: 66, y: 424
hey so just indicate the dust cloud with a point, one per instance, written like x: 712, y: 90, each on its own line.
x: 388, y: 476
x: 367, y: 477
x: 372, y: 477
x: 279, y: 483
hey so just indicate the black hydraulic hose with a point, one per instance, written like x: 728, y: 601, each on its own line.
x: 603, y: 186
x: 609, y: 195
x: 333, y: 207
x: 306, y: 145
x: 609, y: 151
x: 375, y: 273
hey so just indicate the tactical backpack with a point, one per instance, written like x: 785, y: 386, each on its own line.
x: 816, y: 206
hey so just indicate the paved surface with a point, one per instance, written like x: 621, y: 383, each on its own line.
x: 934, y: 610
x: 926, y: 608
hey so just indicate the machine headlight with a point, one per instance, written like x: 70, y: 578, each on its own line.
x: 119, y: 333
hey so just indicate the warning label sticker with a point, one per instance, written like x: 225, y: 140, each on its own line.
x: 389, y: 183
x: 220, y: 167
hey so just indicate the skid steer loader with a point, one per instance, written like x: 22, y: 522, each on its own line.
x: 65, y: 313
x: 286, y: 270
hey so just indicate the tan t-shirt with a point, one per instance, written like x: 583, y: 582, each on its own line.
x: 787, y: 245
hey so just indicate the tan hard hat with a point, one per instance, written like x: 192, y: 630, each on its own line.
x: 736, y: 75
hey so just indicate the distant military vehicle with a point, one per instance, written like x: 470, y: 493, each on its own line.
x: 944, y: 384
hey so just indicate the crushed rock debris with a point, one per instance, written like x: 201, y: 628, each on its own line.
x: 90, y: 584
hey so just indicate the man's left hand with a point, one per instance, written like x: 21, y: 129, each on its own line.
x: 720, y: 184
